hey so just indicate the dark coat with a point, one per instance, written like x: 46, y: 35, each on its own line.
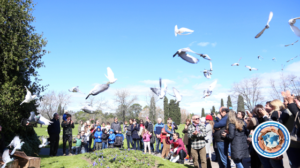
x: 149, y: 126
x: 220, y: 124
x: 54, y: 128
x: 134, y: 131
x: 67, y: 127
x: 104, y: 136
x: 238, y: 139
x: 186, y: 137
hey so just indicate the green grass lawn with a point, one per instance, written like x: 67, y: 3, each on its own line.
x: 43, y: 132
x: 64, y: 161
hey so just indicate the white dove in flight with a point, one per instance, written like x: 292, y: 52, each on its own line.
x: 236, y: 64
x: 177, y: 95
x: 208, y: 91
x: 260, y: 57
x: 28, y: 97
x: 161, y: 91
x: 110, y: 76
x: 182, y: 53
x: 293, y: 27
x: 250, y: 69
x: 88, y: 109
x: 6, y: 158
x: 292, y: 43
x: 182, y: 30
x: 16, y: 143
x: 274, y: 59
x: 205, y: 56
x: 98, y: 89
x: 266, y: 27
x: 208, y: 73
x: 45, y: 142
x: 75, y: 89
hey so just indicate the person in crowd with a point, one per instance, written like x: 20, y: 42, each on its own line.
x: 241, y: 115
x: 92, y: 129
x: 157, y: 131
x: 83, y: 142
x: 146, y: 139
x: 98, y: 140
x: 53, y: 132
x: 178, y: 143
x: 116, y: 126
x: 149, y: 127
x: 67, y: 125
x: 277, y: 107
x: 197, y: 134
x: 104, y: 137
x: 293, y: 105
x: 95, y: 129
x: 222, y: 145
x: 2, y: 140
x: 209, y: 125
x: 268, y: 108
x: 103, y: 126
x: 78, y: 144
x: 111, y: 138
x: 107, y: 126
x: 83, y: 126
x: 166, y: 131
x: 135, y: 137
x: 87, y: 133
x: 65, y: 115
x: 237, y: 136
x: 79, y: 126
x: 128, y: 133
x: 142, y: 127
x: 186, y: 140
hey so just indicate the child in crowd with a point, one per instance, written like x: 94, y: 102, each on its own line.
x: 83, y: 142
x: 78, y: 145
x: 98, y: 140
x: 103, y: 126
x: 104, y: 137
x: 146, y: 138
x: 111, y: 138
x: 65, y: 115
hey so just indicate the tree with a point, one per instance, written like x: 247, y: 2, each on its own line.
x: 213, y: 110
x: 176, y: 114
x: 229, y: 104
x: 135, y: 110
x: 222, y: 103
x: 21, y: 52
x: 250, y: 90
x: 203, y: 113
x: 240, y: 104
x: 172, y: 109
x: 152, y: 110
x: 166, y: 109
x: 124, y: 100
x: 184, y: 115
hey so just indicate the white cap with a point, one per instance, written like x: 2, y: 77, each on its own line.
x: 66, y: 111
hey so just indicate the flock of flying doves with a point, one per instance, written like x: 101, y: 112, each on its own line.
x: 160, y: 92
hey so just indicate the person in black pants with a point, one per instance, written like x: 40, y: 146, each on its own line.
x: 67, y: 133
x: 53, y: 131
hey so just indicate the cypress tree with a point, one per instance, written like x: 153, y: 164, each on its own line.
x: 21, y: 52
x: 203, y: 113
x: 240, y: 104
x: 172, y: 109
x: 152, y: 110
x: 222, y: 103
x: 59, y: 110
x: 229, y: 104
x: 166, y: 109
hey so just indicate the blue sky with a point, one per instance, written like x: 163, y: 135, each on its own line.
x: 136, y: 40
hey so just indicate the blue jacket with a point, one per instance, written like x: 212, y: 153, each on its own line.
x: 158, y: 128
x: 97, y: 134
x: 65, y: 117
x: 220, y: 123
x: 111, y: 138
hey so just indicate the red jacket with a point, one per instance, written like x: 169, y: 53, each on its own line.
x: 178, y: 143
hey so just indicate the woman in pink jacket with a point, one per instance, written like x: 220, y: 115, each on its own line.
x: 178, y: 143
x: 146, y: 138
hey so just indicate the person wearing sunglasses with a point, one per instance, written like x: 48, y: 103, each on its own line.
x: 167, y: 131
x: 197, y: 134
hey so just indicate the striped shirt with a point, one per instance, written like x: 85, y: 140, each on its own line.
x: 198, y: 141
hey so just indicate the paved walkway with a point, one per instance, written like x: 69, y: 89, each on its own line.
x: 246, y: 161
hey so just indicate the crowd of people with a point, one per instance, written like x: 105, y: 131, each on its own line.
x: 229, y: 133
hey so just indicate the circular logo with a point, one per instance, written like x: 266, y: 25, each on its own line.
x: 271, y: 139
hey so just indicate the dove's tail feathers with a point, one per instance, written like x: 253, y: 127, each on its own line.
x: 3, y: 165
x: 21, y: 103
x: 13, y: 152
x: 87, y: 96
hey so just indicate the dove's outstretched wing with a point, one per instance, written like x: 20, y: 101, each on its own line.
x: 44, y: 121
x: 188, y: 58
x: 260, y: 33
x: 295, y: 30
x: 212, y: 86
x: 248, y: 67
x: 210, y: 66
x: 156, y: 91
x: 270, y: 18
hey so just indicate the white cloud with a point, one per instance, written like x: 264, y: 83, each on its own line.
x: 214, y: 44
x: 156, y: 82
x: 203, y: 44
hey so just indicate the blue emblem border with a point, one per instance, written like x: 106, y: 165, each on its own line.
x: 285, y: 145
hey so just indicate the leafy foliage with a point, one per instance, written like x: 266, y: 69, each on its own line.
x: 152, y: 110
x: 203, y: 113
x: 229, y: 104
x: 222, y: 103
x: 241, y: 104
x: 166, y: 109
x: 21, y: 51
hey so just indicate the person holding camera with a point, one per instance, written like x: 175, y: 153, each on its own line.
x: 67, y: 125
x: 54, y: 131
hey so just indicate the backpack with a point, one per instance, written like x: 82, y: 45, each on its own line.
x: 118, y: 141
